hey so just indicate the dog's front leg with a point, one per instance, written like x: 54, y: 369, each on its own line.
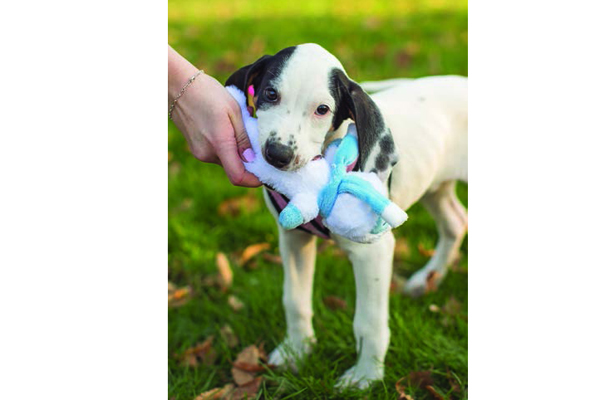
x: 298, y: 252
x: 372, y: 265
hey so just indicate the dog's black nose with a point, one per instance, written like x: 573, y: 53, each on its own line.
x: 278, y: 155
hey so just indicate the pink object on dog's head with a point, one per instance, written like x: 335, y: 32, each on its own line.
x: 251, y: 90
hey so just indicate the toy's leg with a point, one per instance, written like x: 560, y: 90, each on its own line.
x: 372, y: 265
x: 451, y: 219
x: 298, y: 252
x: 302, y: 208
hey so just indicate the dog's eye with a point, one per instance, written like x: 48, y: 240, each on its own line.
x: 322, y: 110
x: 271, y: 94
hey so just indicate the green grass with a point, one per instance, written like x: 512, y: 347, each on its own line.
x: 374, y: 40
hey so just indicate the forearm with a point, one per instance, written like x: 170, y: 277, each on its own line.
x: 180, y: 70
x: 209, y: 118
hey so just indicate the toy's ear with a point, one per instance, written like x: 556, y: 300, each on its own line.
x: 248, y: 75
x: 353, y: 102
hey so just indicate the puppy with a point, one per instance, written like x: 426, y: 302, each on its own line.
x: 412, y: 134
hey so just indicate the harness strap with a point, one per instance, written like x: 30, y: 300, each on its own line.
x: 314, y: 227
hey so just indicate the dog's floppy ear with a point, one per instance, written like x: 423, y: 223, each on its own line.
x: 354, y: 103
x: 246, y: 76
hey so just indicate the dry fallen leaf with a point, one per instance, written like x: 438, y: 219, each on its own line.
x: 252, y: 251
x: 225, y: 277
x: 335, y: 303
x: 402, y: 249
x: 216, y: 393
x: 201, y: 352
x: 247, y: 391
x: 178, y: 296
x: 262, y: 354
x: 233, y: 207
x: 235, y: 303
x: 250, y: 355
x: 434, y: 308
x: 420, y: 379
x: 244, y: 370
x: 401, y: 389
x: 229, y: 336
x: 241, y: 377
x: 424, y: 251
x: 246, y: 365
x: 452, y: 380
x: 272, y: 258
x: 434, y: 393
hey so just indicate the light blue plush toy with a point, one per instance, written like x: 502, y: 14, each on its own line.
x: 352, y: 204
x: 339, y: 201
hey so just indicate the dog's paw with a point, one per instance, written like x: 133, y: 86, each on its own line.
x: 359, y: 378
x: 287, y: 355
x: 416, y: 286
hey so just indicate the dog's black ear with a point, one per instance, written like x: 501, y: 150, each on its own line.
x: 246, y: 76
x: 354, y: 103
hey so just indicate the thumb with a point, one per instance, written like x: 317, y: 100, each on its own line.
x: 241, y: 137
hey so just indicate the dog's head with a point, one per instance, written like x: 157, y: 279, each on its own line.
x: 302, y: 93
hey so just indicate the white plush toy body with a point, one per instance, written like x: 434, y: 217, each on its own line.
x: 352, y: 204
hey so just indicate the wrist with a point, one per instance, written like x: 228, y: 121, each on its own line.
x: 180, y: 71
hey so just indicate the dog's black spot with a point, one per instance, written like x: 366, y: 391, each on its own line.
x: 382, y: 162
x: 374, y: 170
x: 304, y: 114
x: 273, y: 69
x: 360, y: 346
x: 351, y: 101
x: 387, y: 144
x: 261, y: 74
x: 272, y: 133
x: 289, y: 112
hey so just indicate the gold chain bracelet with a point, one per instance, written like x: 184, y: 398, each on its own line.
x: 189, y: 82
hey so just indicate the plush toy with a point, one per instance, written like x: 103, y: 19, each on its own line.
x: 352, y: 204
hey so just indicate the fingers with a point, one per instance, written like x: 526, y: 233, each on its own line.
x: 232, y: 164
x: 241, y: 137
x: 231, y: 156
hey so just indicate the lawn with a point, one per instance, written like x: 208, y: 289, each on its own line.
x: 374, y: 40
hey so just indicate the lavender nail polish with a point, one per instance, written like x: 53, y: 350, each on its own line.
x: 248, y: 155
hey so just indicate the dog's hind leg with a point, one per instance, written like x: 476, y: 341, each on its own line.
x: 298, y: 253
x: 372, y: 265
x: 451, y: 219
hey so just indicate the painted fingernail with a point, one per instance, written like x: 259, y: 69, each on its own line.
x: 248, y: 155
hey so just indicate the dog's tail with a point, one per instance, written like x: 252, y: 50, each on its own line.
x: 378, y: 86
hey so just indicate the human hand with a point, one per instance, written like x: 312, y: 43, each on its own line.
x: 211, y: 121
